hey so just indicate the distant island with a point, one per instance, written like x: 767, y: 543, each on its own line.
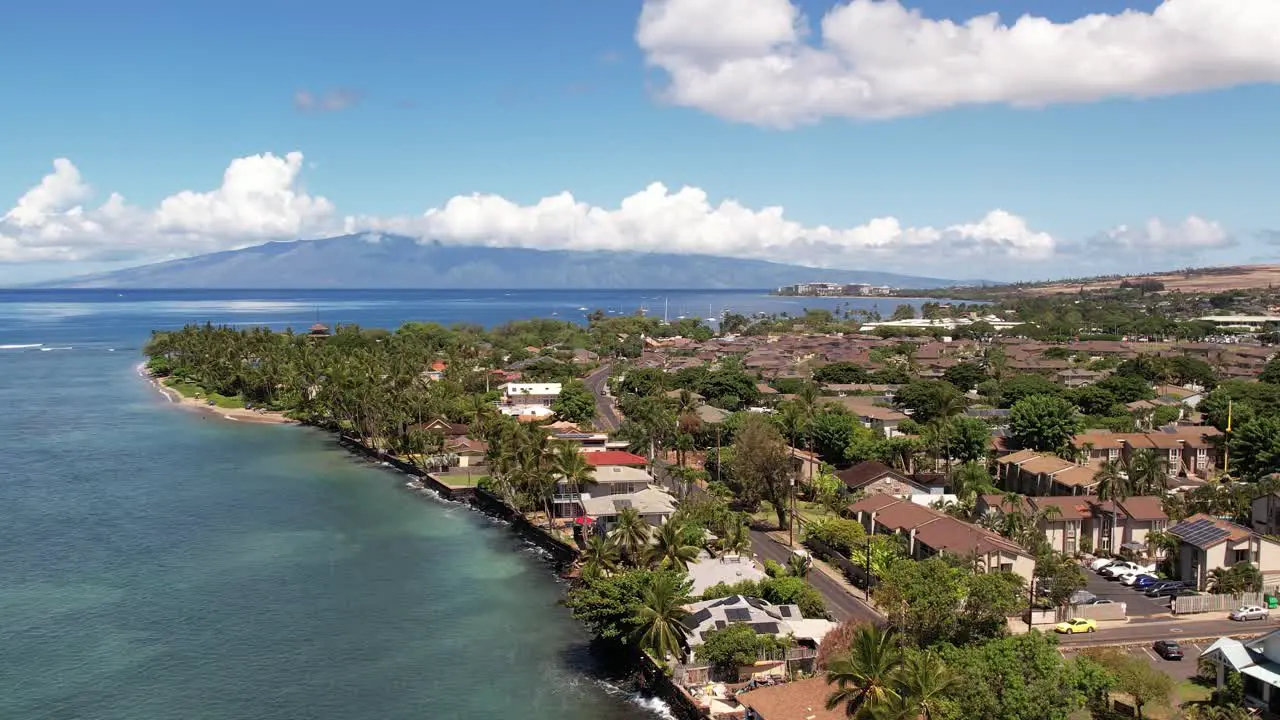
x: 396, y: 262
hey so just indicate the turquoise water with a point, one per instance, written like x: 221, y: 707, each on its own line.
x: 158, y: 565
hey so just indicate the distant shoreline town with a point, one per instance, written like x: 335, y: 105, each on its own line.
x: 831, y: 289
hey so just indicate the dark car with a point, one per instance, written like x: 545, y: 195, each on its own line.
x: 1166, y: 590
x: 1167, y: 649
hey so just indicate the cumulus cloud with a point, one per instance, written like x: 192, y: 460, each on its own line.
x: 328, y: 101
x: 259, y: 200
x: 1193, y: 234
x: 758, y: 61
x: 658, y: 219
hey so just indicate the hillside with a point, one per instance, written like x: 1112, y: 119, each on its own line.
x: 352, y: 261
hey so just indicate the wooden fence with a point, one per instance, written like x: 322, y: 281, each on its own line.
x: 1188, y: 604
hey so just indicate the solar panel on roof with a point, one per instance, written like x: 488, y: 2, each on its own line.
x: 720, y: 624
x: 699, y: 617
x: 765, y: 628
x: 737, y: 614
x: 784, y: 611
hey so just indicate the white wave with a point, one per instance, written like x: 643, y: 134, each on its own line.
x: 657, y: 706
x: 49, y: 349
x: 27, y: 346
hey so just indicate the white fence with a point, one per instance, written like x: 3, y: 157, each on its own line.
x: 1188, y: 604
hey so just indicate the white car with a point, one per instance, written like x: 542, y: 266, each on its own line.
x: 1100, y: 563
x: 1121, y: 568
x: 1131, y: 578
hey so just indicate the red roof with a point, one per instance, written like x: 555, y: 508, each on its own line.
x: 614, y: 457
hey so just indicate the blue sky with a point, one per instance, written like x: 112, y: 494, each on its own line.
x: 527, y: 100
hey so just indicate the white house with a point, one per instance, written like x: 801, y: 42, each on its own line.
x: 1257, y: 661
x: 528, y: 399
x: 763, y: 617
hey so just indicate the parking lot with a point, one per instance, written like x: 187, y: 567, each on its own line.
x: 1139, y: 605
x: 1183, y: 669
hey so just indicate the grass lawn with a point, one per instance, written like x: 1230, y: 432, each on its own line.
x: 223, y: 401
x: 808, y: 512
x: 191, y: 390
x: 185, y: 389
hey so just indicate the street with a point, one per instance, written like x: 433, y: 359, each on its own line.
x: 606, y: 416
x: 840, y: 603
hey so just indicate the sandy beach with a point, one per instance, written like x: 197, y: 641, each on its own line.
x: 263, y: 417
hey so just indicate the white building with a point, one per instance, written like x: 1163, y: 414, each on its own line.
x: 528, y: 399
x: 763, y: 617
x: 1257, y: 661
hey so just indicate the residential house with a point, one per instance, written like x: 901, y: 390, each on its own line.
x: 1186, y: 396
x: 528, y: 400
x: 450, y: 431
x: 1206, y: 543
x: 469, y: 453
x: 1265, y: 514
x: 435, y: 372
x: 1033, y: 473
x: 1258, y: 662
x: 1080, y: 523
x: 874, y: 478
x: 582, y: 356
x: 763, y: 617
x: 1078, y: 377
x: 1188, y: 450
x: 591, y: 442
x: 930, y: 531
x: 602, y: 458
x: 799, y: 700
x: 613, y: 488
x: 881, y: 419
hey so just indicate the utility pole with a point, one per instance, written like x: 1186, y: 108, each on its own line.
x: 866, y: 590
x: 1031, y: 600
x: 791, y: 516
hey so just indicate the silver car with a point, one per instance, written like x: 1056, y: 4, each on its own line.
x: 1249, y: 612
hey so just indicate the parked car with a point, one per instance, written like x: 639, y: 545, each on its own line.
x: 1142, y: 582
x: 1077, y: 625
x: 1167, y: 649
x: 1100, y: 563
x: 1081, y: 597
x: 1100, y: 601
x: 1120, y: 568
x: 1162, y: 584
x: 1134, y: 578
x: 1249, y: 612
x: 1171, y: 591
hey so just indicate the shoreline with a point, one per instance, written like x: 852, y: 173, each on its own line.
x: 200, y: 406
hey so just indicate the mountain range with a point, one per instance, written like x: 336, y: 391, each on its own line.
x: 395, y: 262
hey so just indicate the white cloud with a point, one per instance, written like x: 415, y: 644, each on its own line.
x: 685, y: 221
x: 259, y: 200
x: 753, y: 60
x: 1194, y: 233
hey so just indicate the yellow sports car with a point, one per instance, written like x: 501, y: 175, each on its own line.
x: 1077, y: 625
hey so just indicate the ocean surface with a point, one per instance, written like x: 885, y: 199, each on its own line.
x: 158, y: 564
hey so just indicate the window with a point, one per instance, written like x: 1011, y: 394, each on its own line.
x: 1241, y: 556
x: 1113, y: 453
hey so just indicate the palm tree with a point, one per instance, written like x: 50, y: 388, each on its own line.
x: 799, y: 565
x: 866, y: 678
x: 660, y: 616
x: 600, y: 557
x: 922, y: 684
x: 737, y: 536
x: 968, y: 482
x: 571, y: 467
x: 1113, y: 485
x: 671, y: 548
x: 631, y: 535
x: 1148, y: 472
x: 948, y: 406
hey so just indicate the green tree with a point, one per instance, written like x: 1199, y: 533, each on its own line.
x: 1019, y: 677
x: 660, y: 615
x: 607, y: 605
x: 969, y: 439
x: 841, y: 373
x: 833, y: 430
x: 926, y: 400
x: 671, y: 549
x: 965, y: 375
x: 576, y: 403
x: 1126, y: 388
x: 762, y: 465
x: 1022, y: 386
x: 866, y: 678
x: 1148, y: 472
x: 923, y: 685
x: 1255, y: 447
x: 791, y: 590
x: 1042, y: 422
x: 731, y: 648
x: 729, y: 389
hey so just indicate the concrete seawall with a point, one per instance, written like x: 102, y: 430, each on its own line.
x: 482, y: 500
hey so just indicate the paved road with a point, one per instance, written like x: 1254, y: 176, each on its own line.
x: 1140, y: 632
x: 840, y: 603
x: 1138, y: 605
x: 606, y: 416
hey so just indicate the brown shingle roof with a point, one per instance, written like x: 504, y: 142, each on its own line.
x: 1146, y: 507
x: 799, y: 700
x: 1018, y: 457
x: 1077, y: 476
x: 904, y: 515
x: 1047, y: 464
x: 865, y: 473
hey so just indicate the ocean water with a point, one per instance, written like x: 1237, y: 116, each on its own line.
x: 155, y: 564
